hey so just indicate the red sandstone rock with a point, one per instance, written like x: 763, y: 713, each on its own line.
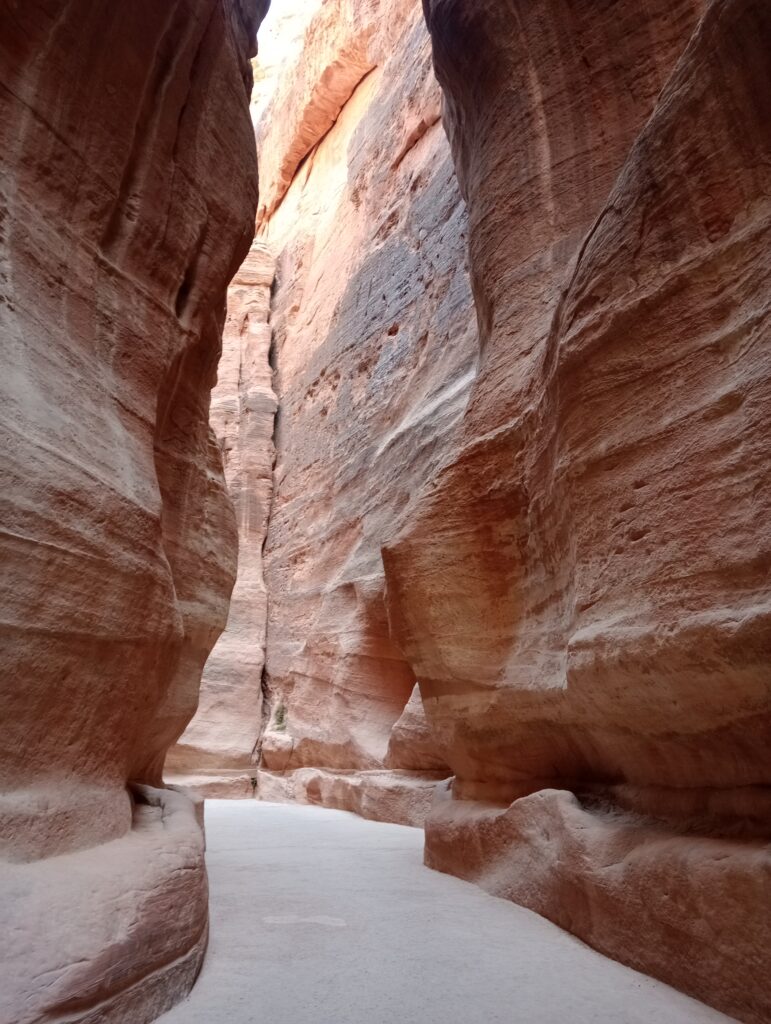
x: 117, y: 929
x: 400, y: 797
x: 583, y: 589
x: 127, y: 196
x: 412, y: 744
x: 375, y: 348
x: 223, y: 734
x: 364, y: 382
x: 343, y: 42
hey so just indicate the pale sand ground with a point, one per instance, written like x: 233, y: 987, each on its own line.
x: 320, y: 917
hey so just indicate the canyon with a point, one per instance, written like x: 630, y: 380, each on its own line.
x: 118, y: 539
x: 373, y: 346
x: 516, y: 568
x: 428, y: 481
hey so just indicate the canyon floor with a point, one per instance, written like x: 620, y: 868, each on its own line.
x: 318, y: 916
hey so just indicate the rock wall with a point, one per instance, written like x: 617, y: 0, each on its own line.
x: 582, y: 590
x: 222, y: 736
x: 127, y: 199
x: 375, y: 348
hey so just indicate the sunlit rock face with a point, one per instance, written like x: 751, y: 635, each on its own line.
x: 223, y: 734
x: 582, y: 590
x: 127, y: 199
x: 375, y: 348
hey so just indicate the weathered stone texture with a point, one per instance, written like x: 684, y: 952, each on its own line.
x: 582, y: 590
x: 223, y: 734
x: 400, y: 797
x: 127, y: 199
x: 375, y: 348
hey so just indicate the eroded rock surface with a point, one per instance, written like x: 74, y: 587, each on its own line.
x: 582, y: 590
x: 395, y: 796
x: 127, y: 199
x: 227, y: 726
x: 374, y: 351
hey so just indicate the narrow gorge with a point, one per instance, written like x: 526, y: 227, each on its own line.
x: 369, y: 358
x: 424, y: 475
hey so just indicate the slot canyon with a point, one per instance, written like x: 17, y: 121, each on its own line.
x: 386, y: 464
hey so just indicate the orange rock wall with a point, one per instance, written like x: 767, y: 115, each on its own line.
x: 374, y: 351
x: 127, y: 199
x: 582, y: 590
x: 227, y: 725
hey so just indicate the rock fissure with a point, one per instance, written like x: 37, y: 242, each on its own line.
x: 333, y: 627
x: 521, y: 499
x: 114, y: 133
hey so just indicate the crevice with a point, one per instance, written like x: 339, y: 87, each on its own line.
x: 265, y: 689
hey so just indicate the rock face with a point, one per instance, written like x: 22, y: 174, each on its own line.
x: 227, y: 726
x: 127, y: 197
x: 375, y: 349
x: 568, y: 504
x: 399, y: 797
x: 582, y: 590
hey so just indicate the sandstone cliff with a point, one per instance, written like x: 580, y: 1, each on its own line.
x: 375, y: 348
x: 570, y: 503
x: 127, y: 199
x: 582, y: 590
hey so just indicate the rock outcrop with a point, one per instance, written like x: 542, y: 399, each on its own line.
x: 127, y: 199
x: 396, y: 796
x: 224, y: 732
x: 567, y: 498
x: 375, y: 349
x: 582, y: 590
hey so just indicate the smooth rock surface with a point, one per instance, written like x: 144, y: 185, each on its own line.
x: 113, y: 933
x: 128, y: 191
x: 412, y: 744
x: 319, y: 916
x: 583, y: 589
x: 375, y: 349
x: 227, y: 725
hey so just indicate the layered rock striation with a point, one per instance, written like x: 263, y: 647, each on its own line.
x: 127, y: 199
x: 221, y: 739
x: 582, y: 590
x: 543, y: 506
x: 374, y: 351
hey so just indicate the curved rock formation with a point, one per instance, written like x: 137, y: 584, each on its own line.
x: 223, y: 734
x: 375, y: 348
x: 583, y: 589
x: 127, y: 199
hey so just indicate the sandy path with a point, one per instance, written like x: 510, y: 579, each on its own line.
x: 320, y: 917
